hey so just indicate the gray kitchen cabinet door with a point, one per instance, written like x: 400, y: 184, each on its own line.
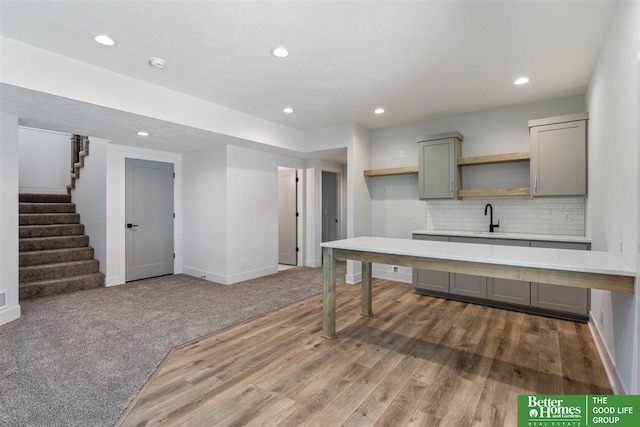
x: 466, y: 284
x: 507, y: 290
x: 560, y: 298
x: 430, y: 279
x: 559, y: 159
x: 438, y: 175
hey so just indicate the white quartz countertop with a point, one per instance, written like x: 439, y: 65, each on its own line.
x: 544, y: 258
x: 511, y: 236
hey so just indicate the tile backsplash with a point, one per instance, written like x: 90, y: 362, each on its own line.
x: 516, y: 215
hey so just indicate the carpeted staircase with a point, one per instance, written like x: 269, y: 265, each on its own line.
x: 55, y: 256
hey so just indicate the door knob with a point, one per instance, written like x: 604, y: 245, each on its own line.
x: 131, y: 225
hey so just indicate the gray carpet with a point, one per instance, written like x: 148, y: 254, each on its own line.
x: 78, y: 359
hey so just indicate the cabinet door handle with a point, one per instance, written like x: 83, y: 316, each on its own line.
x: 450, y: 186
x: 535, y: 185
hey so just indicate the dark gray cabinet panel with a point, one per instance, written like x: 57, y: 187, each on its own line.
x: 559, y: 158
x: 438, y: 175
x: 465, y: 284
x: 560, y: 298
x: 429, y: 279
x: 506, y: 290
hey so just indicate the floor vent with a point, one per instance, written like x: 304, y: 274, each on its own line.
x: 3, y: 299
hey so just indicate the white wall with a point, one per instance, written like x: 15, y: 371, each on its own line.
x: 204, y: 200
x: 358, y: 194
x: 9, y: 216
x: 115, y: 267
x: 612, y: 101
x: 90, y: 198
x: 45, y: 161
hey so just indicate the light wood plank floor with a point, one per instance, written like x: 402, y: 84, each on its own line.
x: 419, y: 361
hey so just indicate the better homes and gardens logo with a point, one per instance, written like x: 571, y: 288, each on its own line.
x: 578, y: 411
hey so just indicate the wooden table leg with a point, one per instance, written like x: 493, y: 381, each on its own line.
x: 366, y: 289
x: 328, y: 294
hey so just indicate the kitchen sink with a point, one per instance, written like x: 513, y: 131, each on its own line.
x: 486, y: 233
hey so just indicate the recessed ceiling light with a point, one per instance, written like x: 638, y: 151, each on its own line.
x: 521, y: 81
x: 104, y: 40
x: 279, y: 52
x: 287, y: 110
x: 143, y: 133
x: 379, y: 111
x: 156, y: 62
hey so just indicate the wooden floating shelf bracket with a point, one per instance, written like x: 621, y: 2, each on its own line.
x: 391, y: 171
x: 495, y: 192
x: 494, y: 158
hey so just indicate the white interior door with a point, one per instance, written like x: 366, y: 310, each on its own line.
x: 330, y: 211
x: 287, y: 216
x: 149, y: 219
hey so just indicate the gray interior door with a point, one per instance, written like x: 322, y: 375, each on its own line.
x: 149, y: 219
x: 329, y: 206
x: 287, y: 217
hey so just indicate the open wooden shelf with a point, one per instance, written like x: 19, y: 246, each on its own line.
x: 494, y: 158
x: 495, y: 192
x: 391, y: 171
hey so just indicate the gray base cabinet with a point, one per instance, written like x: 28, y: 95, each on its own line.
x: 465, y: 284
x: 429, y: 279
x: 566, y: 301
x: 560, y: 298
x: 506, y: 290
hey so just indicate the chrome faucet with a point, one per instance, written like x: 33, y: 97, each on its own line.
x: 492, y: 226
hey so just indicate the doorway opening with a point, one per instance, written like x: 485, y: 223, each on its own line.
x: 149, y: 218
x: 330, y: 206
x: 287, y: 217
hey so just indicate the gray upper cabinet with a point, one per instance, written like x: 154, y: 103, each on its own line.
x: 430, y: 279
x: 560, y: 298
x: 559, y: 156
x: 438, y: 174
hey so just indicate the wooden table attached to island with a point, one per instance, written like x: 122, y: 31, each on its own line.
x: 565, y: 267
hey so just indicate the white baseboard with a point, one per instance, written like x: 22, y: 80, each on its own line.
x: 9, y: 315
x: 31, y: 190
x: 113, y: 281
x: 401, y: 276
x: 206, y: 275
x: 248, y: 275
x: 352, y: 279
x: 315, y: 263
x: 605, y: 356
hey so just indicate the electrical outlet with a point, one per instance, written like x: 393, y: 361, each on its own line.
x: 395, y: 268
x: 243, y: 263
x: 601, y: 317
x: 567, y: 216
x: 409, y: 214
x: 401, y: 153
x: 396, y: 154
x: 621, y: 243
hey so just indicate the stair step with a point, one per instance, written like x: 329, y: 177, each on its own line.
x: 47, y: 287
x: 44, y: 198
x: 57, y: 271
x: 55, y: 255
x: 27, y: 231
x: 48, y: 219
x: 28, y: 208
x: 58, y: 242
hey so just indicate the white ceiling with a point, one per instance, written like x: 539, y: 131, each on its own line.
x: 418, y: 60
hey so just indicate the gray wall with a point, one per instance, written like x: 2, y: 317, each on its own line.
x: 612, y: 100
x: 9, y: 216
